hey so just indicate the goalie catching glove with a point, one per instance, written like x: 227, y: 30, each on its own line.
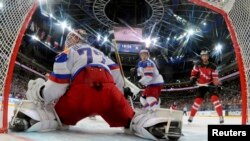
x: 34, y: 92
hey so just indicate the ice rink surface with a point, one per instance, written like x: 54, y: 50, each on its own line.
x: 98, y: 130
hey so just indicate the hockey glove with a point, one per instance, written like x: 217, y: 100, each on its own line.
x: 193, y: 80
x: 216, y: 82
x: 34, y: 92
x: 127, y: 92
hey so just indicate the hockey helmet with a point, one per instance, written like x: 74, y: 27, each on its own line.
x: 144, y: 51
x: 75, y: 36
x: 204, y: 52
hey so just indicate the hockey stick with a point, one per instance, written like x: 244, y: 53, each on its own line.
x: 121, y: 69
x: 222, y: 88
x: 18, y: 109
x: 57, y: 117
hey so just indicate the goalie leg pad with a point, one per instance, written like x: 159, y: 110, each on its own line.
x: 144, y: 102
x: 144, y: 123
x: 38, y: 116
x: 153, y: 103
x: 143, y: 120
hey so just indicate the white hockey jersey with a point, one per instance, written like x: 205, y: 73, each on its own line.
x: 70, y: 62
x: 149, y: 73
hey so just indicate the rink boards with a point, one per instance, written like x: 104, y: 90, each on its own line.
x: 98, y: 130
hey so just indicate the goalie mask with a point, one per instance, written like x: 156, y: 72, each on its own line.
x: 75, y: 37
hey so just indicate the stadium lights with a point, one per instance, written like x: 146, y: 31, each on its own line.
x: 1, y: 5
x: 154, y: 41
x: 218, y: 48
x: 50, y: 14
x: 34, y: 37
x: 105, y: 39
x: 98, y: 37
x: 217, y: 51
x: 147, y: 42
x: 190, y: 32
x: 63, y: 24
x: 168, y: 38
x: 182, y: 36
x: 204, y: 23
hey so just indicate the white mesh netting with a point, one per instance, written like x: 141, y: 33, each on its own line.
x: 238, y: 12
x: 240, y: 18
x: 12, y: 16
x: 225, y: 5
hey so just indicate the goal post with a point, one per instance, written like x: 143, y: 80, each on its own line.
x: 15, y: 16
x: 236, y: 15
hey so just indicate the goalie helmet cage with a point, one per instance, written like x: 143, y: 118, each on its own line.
x: 15, y: 16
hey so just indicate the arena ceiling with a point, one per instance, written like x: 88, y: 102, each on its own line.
x: 181, y: 29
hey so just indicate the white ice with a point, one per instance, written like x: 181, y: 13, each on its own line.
x: 98, y: 130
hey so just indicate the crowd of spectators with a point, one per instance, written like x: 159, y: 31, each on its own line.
x: 230, y: 96
x: 20, y: 81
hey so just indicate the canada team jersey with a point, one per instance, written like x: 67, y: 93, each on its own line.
x: 204, y: 73
x: 149, y: 72
x: 70, y: 62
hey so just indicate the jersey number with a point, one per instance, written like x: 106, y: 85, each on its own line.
x: 88, y: 51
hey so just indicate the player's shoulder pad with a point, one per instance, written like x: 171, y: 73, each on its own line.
x: 141, y: 63
x: 63, y: 56
x: 145, y: 64
x: 149, y: 63
x: 212, y: 65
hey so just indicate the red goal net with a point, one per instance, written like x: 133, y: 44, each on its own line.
x: 14, y: 19
x: 16, y: 14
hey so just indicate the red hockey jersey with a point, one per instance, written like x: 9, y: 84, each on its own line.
x: 205, y: 73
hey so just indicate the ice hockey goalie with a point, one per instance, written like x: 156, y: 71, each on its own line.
x: 85, y: 82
